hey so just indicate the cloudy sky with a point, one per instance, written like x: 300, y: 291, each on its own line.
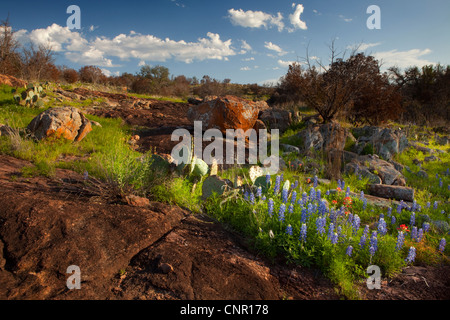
x: 247, y: 41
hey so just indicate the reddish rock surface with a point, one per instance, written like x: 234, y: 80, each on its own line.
x: 12, y: 81
x: 66, y: 122
x: 226, y: 112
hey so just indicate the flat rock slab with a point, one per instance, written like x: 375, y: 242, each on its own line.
x: 45, y: 229
x: 210, y: 263
x: 392, y: 192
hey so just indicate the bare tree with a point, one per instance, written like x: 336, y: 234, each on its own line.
x: 9, y: 57
x: 37, y: 63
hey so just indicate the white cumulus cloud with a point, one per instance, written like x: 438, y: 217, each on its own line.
x: 285, y: 64
x: 101, y: 51
x: 403, y: 59
x: 255, y: 19
x: 271, y: 46
x: 295, y: 19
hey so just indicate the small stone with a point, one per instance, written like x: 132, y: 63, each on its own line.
x: 137, y: 201
x: 165, y: 268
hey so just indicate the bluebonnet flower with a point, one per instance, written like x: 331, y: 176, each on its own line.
x: 246, y: 195
x: 411, y: 255
x: 289, y: 230
x: 318, y: 195
x: 426, y: 226
x: 252, y: 198
x: 414, y: 206
x: 284, y: 195
x: 295, y: 184
x: 435, y: 205
x: 364, y: 204
x: 277, y: 185
x: 347, y: 193
x: 85, y: 175
x: 281, y: 212
x: 442, y: 244
x: 316, y: 181
x: 267, y: 179
x: 282, y: 177
x: 350, y: 218
x: 322, y: 208
x: 330, y: 230
x: 312, y: 194
x: 389, y: 212
x: 333, y: 215
x: 304, y: 197
x: 361, y: 195
x: 355, y: 224
x: 443, y: 212
x: 366, y: 230
x: 339, y: 185
x: 413, y: 233
x: 334, y: 238
x: 399, y: 208
x: 291, y: 208
x: 303, y: 231
x: 382, y: 228
x: 342, y: 184
x: 362, y: 241
x: 310, y: 208
x: 263, y: 198
x: 412, y: 219
x: 293, y: 196
x: 393, y: 220
x: 259, y: 192
x: 328, y: 191
x: 349, y: 251
x: 320, y: 225
x: 304, y: 215
x: 372, y: 251
x: 270, y: 207
x: 437, y: 176
x: 373, y: 243
x: 419, y: 235
x: 400, y: 241
x: 339, y: 232
x: 428, y: 205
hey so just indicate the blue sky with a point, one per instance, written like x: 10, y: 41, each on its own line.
x: 245, y: 41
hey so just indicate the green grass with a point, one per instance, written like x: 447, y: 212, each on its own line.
x: 159, y: 98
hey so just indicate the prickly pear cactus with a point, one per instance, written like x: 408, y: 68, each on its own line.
x: 263, y: 183
x: 199, y: 168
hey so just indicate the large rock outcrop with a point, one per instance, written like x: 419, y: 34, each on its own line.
x: 12, y: 81
x: 228, y: 112
x: 378, y: 171
x: 324, y: 137
x: 65, y: 122
x: 385, y: 142
x: 276, y: 119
